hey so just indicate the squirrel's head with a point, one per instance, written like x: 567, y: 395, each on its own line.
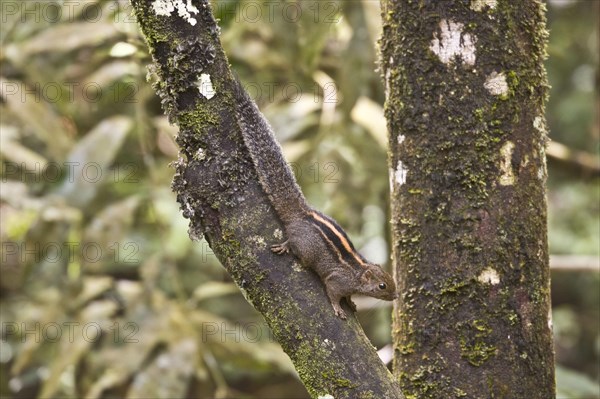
x: 376, y: 282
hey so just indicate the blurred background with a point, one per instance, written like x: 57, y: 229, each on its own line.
x: 102, y: 293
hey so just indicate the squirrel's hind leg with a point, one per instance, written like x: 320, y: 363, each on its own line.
x: 282, y: 248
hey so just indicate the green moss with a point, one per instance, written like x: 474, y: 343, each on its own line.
x: 337, y: 381
x: 407, y: 348
x: 198, y: 118
x: 453, y: 287
x: 478, y: 353
x: 307, y: 361
x: 155, y: 30
x: 512, y: 80
x: 479, y: 113
x: 475, y: 342
x: 423, y: 382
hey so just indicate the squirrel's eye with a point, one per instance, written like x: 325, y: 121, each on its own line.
x: 382, y: 286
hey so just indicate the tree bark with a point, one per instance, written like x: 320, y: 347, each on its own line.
x: 466, y: 88
x: 219, y: 192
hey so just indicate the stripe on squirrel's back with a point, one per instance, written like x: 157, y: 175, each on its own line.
x: 274, y: 174
x: 327, y: 238
x: 338, y: 237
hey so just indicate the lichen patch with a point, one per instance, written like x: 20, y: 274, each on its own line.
x: 388, y: 74
x: 539, y: 124
x: 543, y: 169
x: 400, y: 174
x: 259, y: 241
x: 205, y: 86
x: 496, y: 84
x: 297, y: 267
x: 507, y: 178
x: 489, y: 276
x: 478, y: 5
x: 328, y: 344
x: 452, y: 43
x: 184, y: 10
x: 200, y: 155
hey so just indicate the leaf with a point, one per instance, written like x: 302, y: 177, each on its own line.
x: 111, y: 224
x: 290, y: 119
x: 34, y: 317
x: 37, y: 115
x: 110, y: 378
x: 175, y: 242
x: 18, y: 155
x: 169, y: 375
x: 111, y: 72
x: 165, y: 139
x: 294, y: 150
x: 92, y: 287
x: 72, y: 10
x: 132, y: 340
x: 88, y: 162
x: 369, y: 115
x: 241, y: 347
x: 64, y: 38
x: 73, y: 347
x: 574, y: 385
x: 213, y: 289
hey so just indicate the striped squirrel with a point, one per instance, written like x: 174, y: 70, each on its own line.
x: 315, y: 239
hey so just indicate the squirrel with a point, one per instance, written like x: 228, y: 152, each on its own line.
x: 316, y: 240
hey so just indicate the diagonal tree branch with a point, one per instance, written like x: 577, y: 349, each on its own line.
x: 220, y: 194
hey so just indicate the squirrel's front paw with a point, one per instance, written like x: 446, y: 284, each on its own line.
x: 281, y: 249
x: 339, y: 312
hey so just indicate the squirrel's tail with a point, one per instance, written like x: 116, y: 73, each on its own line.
x: 274, y: 174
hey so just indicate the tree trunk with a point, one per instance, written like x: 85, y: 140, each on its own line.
x: 220, y: 194
x: 466, y: 88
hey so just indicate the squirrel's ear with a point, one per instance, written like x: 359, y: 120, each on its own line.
x: 367, y: 275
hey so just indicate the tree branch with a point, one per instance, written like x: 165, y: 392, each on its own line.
x: 220, y: 194
x: 587, y: 163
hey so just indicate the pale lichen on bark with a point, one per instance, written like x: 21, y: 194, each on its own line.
x: 489, y: 276
x: 496, y: 84
x: 185, y: 10
x: 400, y: 174
x: 205, y: 86
x: 479, y: 5
x: 451, y: 42
x: 507, y: 175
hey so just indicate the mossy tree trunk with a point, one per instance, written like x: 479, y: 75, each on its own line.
x: 220, y: 194
x: 466, y: 88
